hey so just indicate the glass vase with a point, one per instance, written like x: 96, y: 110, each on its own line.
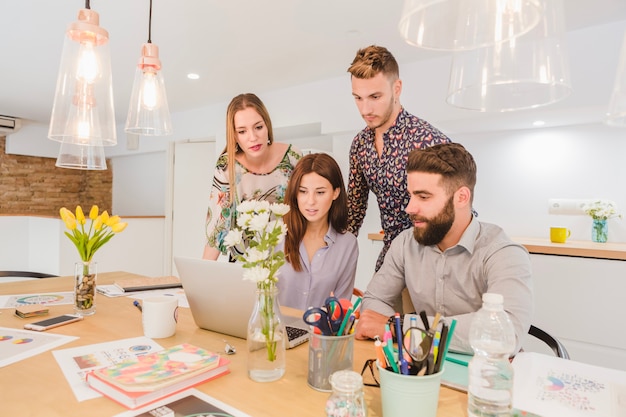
x: 266, y: 338
x: 599, y: 230
x: 85, y: 274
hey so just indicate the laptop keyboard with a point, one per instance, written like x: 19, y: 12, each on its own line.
x: 294, y: 332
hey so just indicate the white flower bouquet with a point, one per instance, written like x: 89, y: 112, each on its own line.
x: 601, y: 209
x: 261, y: 228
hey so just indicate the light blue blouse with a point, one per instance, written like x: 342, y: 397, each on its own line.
x: 333, y: 269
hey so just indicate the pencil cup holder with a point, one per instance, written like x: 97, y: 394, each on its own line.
x: 400, y: 393
x: 328, y: 354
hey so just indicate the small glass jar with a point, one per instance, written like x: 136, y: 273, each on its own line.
x: 347, y: 397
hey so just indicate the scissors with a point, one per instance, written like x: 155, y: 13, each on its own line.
x: 327, y: 318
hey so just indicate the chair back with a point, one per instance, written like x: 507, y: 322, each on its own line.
x: 557, y: 347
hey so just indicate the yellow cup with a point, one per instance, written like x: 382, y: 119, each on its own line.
x: 559, y: 234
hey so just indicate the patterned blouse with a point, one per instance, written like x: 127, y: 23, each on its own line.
x: 221, y: 214
x: 385, y: 176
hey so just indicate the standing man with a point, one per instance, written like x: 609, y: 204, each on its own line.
x: 449, y: 259
x: 379, y: 152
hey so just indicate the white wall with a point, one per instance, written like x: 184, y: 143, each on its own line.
x: 139, y: 184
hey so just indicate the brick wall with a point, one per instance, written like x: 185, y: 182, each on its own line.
x: 32, y: 185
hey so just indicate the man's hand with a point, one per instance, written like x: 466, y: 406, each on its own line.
x: 370, y: 324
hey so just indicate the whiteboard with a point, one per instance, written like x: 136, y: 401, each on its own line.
x: 192, y: 166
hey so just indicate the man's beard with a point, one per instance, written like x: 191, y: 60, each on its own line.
x: 437, y: 227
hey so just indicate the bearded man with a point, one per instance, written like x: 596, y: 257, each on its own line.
x: 449, y: 259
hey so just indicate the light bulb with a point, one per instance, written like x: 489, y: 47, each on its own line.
x: 149, y: 90
x: 88, y: 65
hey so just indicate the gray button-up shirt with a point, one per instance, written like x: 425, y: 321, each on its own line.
x: 452, y: 282
x: 332, y: 269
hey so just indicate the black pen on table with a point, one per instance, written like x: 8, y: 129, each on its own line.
x: 136, y: 304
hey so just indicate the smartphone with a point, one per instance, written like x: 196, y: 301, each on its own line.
x: 43, y: 325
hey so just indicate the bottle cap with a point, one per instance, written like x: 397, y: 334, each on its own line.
x: 492, y: 298
x: 346, y: 380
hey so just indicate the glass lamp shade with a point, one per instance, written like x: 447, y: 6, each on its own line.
x: 83, y: 102
x: 617, y: 106
x: 456, y: 25
x: 527, y: 72
x: 148, y: 112
x: 82, y: 156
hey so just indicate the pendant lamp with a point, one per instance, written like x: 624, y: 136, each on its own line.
x: 148, y: 112
x: 456, y: 25
x: 529, y: 71
x: 83, y: 112
x: 616, y: 115
x: 80, y: 156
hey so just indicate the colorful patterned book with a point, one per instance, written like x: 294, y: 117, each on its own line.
x: 157, y: 375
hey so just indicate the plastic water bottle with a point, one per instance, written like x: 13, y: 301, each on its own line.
x: 347, y: 397
x: 492, y: 336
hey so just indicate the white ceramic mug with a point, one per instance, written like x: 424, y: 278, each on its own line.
x: 159, y: 316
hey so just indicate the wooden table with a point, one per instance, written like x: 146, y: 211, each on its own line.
x: 37, y: 387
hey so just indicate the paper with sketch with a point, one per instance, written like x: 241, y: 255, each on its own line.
x: 187, y: 403
x: 556, y: 387
x: 16, y: 345
x: 52, y: 298
x: 76, y: 362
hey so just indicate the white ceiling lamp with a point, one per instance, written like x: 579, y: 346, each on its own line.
x: 529, y: 71
x: 148, y: 112
x: 82, y: 113
x: 616, y: 115
x: 456, y: 25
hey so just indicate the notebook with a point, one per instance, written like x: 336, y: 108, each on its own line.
x: 221, y: 301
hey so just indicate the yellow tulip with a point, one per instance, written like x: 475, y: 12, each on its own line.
x: 93, y: 213
x: 80, y: 216
x: 113, y: 220
x: 119, y: 227
x: 68, y: 218
x: 97, y: 224
x: 104, y: 217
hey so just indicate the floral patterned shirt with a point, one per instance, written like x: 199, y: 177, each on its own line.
x: 222, y: 212
x: 385, y: 175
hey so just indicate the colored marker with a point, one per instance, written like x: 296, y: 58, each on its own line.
x: 404, y: 366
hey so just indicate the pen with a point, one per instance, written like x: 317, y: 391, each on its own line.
x: 136, y: 304
x: 389, y: 353
x: 442, y: 347
x: 387, y: 334
x: 404, y: 366
x: 344, y: 322
x: 449, y: 338
x: 380, y: 355
x: 436, y: 342
x: 424, y: 318
x: 355, y: 308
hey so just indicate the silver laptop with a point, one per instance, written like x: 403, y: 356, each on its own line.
x: 221, y: 301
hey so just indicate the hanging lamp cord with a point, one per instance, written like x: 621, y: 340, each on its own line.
x: 150, y: 24
x: 87, y: 5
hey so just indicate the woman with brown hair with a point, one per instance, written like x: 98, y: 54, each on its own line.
x: 321, y: 256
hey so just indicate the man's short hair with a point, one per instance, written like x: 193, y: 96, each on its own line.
x: 451, y: 160
x: 372, y: 60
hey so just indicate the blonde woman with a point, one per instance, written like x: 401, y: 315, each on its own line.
x: 251, y: 167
